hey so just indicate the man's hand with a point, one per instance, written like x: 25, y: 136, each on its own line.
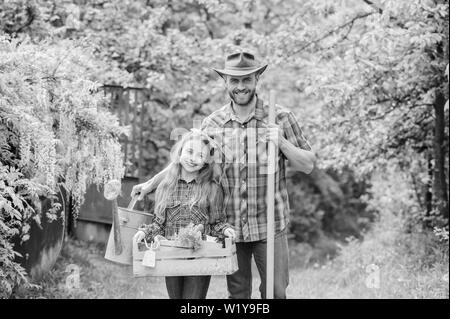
x: 275, y: 134
x: 299, y: 159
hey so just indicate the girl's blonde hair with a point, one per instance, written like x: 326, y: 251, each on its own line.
x: 206, y: 192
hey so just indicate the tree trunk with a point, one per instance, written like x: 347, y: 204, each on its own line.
x: 428, y: 186
x: 440, y: 184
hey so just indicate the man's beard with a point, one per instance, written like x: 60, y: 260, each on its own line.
x: 250, y: 96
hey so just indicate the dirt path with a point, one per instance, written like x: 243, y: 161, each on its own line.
x: 100, y: 278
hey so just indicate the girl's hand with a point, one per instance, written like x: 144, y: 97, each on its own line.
x: 157, y: 241
x: 142, y: 189
x: 229, y: 232
x: 159, y: 237
x: 139, y: 236
x: 199, y: 228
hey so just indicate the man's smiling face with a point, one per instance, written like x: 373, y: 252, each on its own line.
x: 241, y: 88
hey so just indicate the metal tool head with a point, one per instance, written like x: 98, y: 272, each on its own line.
x: 112, y: 189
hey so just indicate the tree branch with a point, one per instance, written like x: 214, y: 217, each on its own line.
x: 326, y: 35
x: 344, y: 37
x: 208, y: 18
x: 373, y: 5
x: 381, y: 116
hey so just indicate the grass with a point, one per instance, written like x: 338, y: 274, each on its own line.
x: 388, y: 263
x: 100, y: 278
x: 410, y: 265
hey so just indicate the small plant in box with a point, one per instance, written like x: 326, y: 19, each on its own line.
x: 191, y: 235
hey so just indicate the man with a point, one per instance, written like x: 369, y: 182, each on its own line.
x: 242, y: 130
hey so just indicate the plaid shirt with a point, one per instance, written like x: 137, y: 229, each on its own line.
x: 178, y: 213
x: 244, y: 163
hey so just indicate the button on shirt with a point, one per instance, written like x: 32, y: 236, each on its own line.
x: 244, y: 164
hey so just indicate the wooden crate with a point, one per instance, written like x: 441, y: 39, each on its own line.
x: 130, y: 220
x: 172, y: 259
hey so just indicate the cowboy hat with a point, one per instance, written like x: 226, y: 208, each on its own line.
x: 239, y: 64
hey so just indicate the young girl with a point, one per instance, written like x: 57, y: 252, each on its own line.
x: 189, y: 194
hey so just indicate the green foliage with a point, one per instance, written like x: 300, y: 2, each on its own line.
x: 17, y: 194
x: 168, y: 46
x: 377, y: 74
x: 369, y: 74
x: 393, y: 111
x: 190, y: 236
x: 363, y: 78
x: 22, y: 16
x: 306, y: 219
x: 412, y: 265
x: 408, y: 264
x: 441, y: 234
x: 60, y: 127
x: 56, y: 131
x: 328, y: 203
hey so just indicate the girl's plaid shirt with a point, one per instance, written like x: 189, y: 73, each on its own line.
x: 244, y: 163
x: 178, y: 213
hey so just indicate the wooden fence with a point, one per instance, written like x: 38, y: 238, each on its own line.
x: 130, y: 104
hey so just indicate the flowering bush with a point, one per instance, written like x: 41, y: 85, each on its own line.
x: 64, y: 131
x: 55, y: 131
x: 17, y: 195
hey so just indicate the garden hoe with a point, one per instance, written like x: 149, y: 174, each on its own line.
x: 270, y: 202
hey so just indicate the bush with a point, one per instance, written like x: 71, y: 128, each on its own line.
x: 327, y: 203
x: 412, y: 262
x: 409, y: 263
x: 17, y: 195
x: 55, y: 132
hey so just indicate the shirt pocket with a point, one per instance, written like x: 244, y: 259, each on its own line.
x: 199, y: 215
x: 261, y: 151
x: 173, y: 210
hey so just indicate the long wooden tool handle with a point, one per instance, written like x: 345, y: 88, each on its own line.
x: 116, y: 228
x: 270, y: 203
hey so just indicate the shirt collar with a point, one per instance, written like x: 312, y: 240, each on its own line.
x: 180, y: 178
x: 258, y: 112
